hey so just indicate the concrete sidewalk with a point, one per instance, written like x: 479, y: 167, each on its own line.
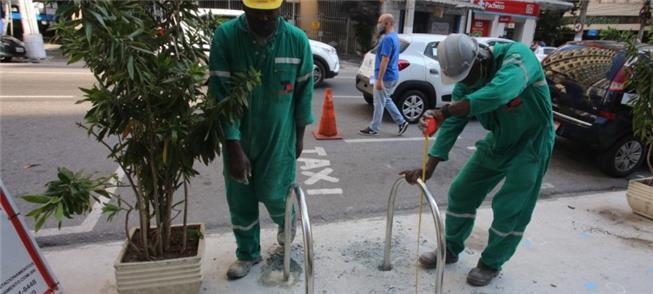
x: 585, y: 244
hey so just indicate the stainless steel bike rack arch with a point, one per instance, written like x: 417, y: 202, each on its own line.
x: 439, y: 231
x: 298, y: 201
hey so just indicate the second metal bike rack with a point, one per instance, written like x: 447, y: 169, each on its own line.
x: 298, y: 201
x: 439, y: 231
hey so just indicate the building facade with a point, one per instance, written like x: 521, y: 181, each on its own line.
x: 621, y: 15
x: 511, y: 19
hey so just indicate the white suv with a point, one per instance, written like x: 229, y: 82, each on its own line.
x: 420, y: 86
x: 325, y: 57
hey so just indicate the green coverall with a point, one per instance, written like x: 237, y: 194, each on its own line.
x: 267, y: 131
x: 517, y: 148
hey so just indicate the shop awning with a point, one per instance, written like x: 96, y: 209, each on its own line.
x: 555, y: 4
x: 456, y: 3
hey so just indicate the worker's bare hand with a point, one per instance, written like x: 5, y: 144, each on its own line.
x: 239, y: 165
x: 299, y: 148
x: 414, y: 174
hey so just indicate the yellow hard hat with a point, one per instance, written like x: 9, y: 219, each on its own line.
x: 263, y: 4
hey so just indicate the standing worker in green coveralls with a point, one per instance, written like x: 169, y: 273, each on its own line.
x: 261, y: 149
x: 505, y: 88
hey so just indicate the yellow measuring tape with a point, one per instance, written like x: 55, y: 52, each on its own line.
x: 421, y: 204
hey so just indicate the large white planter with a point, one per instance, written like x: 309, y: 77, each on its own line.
x: 640, y: 197
x: 171, y: 276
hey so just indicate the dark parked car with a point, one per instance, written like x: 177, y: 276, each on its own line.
x: 11, y: 48
x: 587, y: 80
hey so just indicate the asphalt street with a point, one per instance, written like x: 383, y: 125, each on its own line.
x: 343, y: 179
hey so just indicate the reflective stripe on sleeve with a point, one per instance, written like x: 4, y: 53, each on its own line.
x: 518, y: 62
x: 305, y: 77
x: 540, y: 83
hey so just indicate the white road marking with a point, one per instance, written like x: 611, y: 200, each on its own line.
x: 473, y: 148
x: 348, y: 97
x: 317, y: 150
x: 379, y: 140
x: 91, y: 219
x: 310, y: 163
x: 36, y: 96
x: 324, y: 191
x: 547, y: 186
x: 314, y: 177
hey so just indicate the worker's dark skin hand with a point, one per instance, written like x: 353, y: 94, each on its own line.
x: 412, y: 175
x: 299, y: 146
x: 239, y: 165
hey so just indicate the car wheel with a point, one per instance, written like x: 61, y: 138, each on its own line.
x: 318, y: 73
x: 412, y: 104
x: 623, y: 158
x: 5, y: 59
x: 368, y: 98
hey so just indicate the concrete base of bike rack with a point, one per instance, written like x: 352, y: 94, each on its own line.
x: 587, y: 244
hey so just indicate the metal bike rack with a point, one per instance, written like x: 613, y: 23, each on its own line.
x: 298, y: 201
x: 439, y: 231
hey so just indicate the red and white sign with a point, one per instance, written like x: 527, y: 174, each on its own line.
x: 510, y: 7
x: 22, y: 267
x: 480, y: 28
x: 505, y: 19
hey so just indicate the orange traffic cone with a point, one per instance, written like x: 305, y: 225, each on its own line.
x: 328, y: 130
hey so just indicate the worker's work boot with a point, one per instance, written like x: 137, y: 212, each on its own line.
x: 481, y: 275
x: 241, y: 268
x: 281, y: 235
x: 429, y: 259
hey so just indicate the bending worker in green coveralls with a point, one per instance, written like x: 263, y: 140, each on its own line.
x: 506, y: 90
x: 261, y: 149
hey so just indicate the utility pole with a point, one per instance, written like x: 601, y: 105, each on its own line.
x: 409, y: 17
x: 31, y: 37
x: 644, y: 19
x: 580, y: 25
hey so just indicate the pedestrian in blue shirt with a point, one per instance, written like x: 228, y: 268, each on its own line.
x: 386, y: 74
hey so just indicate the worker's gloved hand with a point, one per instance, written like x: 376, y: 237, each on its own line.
x: 434, y: 113
x: 239, y: 166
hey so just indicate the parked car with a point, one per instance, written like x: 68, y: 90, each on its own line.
x: 420, y: 86
x: 587, y: 81
x: 542, y: 52
x: 11, y: 48
x: 325, y: 56
x: 491, y: 41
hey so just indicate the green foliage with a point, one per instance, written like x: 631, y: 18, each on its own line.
x: 640, y: 80
x: 147, y: 106
x: 616, y: 35
x: 69, y: 195
x: 551, y: 28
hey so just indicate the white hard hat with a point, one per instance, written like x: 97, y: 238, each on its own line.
x: 456, y: 55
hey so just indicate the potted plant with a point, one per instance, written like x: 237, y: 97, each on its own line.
x: 640, y: 73
x: 149, y: 110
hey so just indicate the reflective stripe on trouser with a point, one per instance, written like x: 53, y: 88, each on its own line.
x: 269, y: 184
x: 512, y: 206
